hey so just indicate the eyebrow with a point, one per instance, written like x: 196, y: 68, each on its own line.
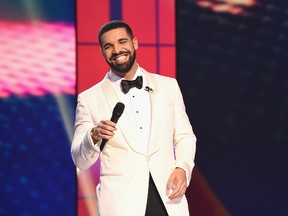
x: 119, y: 40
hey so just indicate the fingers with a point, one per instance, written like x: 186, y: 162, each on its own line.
x: 177, y: 189
x: 176, y: 185
x: 104, y: 130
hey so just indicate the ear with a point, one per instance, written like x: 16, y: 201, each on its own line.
x: 101, y: 51
x: 135, y: 43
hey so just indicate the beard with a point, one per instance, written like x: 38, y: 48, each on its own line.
x: 125, y: 67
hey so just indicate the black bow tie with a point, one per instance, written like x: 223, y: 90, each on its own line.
x: 127, y: 84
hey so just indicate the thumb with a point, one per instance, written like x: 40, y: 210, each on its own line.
x: 170, y: 185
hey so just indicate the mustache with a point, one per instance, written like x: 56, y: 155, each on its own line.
x: 120, y: 53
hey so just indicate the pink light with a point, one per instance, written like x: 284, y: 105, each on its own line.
x: 36, y: 59
x: 235, y: 7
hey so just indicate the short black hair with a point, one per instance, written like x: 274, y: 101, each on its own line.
x: 114, y: 24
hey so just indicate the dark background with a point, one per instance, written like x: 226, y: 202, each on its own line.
x: 232, y: 70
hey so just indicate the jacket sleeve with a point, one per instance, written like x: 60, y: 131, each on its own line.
x: 184, y: 137
x: 84, y: 152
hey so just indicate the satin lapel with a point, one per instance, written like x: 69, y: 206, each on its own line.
x: 125, y: 125
x: 109, y: 92
x: 153, y: 143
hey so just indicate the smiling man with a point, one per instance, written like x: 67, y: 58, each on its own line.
x: 119, y: 50
x: 146, y: 160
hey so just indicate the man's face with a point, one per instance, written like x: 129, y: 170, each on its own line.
x: 119, y: 50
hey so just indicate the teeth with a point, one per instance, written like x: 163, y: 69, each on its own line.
x: 120, y: 58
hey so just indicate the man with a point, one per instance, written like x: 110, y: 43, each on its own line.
x: 146, y: 165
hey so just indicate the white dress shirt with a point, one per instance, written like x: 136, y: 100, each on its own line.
x: 137, y: 106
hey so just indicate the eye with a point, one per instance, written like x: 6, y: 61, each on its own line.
x: 123, y: 41
x: 107, y: 46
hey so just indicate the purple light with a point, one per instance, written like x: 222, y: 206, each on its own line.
x: 36, y: 59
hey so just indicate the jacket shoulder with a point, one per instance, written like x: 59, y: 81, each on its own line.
x: 91, y: 91
x: 159, y: 77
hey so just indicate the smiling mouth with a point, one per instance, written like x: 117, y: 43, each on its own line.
x: 120, y: 58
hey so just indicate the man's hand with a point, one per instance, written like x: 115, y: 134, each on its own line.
x: 104, y: 130
x: 177, y: 184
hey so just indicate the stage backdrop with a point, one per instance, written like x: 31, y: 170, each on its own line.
x: 232, y: 65
x: 37, y: 103
x: 153, y: 22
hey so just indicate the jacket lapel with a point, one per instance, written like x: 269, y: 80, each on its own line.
x: 153, y: 143
x: 125, y: 125
x: 109, y: 92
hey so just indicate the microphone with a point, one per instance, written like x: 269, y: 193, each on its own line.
x: 148, y: 89
x: 117, y: 112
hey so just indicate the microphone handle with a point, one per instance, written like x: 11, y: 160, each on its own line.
x: 114, y: 119
x: 116, y: 114
x: 104, y: 141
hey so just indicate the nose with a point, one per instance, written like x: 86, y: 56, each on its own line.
x: 116, y: 48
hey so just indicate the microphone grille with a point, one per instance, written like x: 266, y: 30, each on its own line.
x: 118, y: 109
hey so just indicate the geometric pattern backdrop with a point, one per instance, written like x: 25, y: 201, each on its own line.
x: 37, y: 103
x: 153, y: 23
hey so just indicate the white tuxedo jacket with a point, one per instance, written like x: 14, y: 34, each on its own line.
x: 124, y: 171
